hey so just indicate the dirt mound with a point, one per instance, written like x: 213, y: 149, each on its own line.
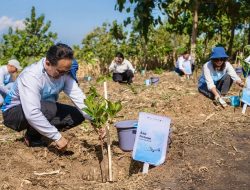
x: 209, y: 150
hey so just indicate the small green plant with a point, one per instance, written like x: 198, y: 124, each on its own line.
x: 133, y: 89
x: 99, y: 109
x: 158, y: 71
x: 104, y: 78
x: 102, y: 111
x: 245, y: 65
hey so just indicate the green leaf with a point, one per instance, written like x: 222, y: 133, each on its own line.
x: 99, y: 109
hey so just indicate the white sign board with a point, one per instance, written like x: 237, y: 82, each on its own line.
x: 151, y: 139
x: 246, y: 96
x: 248, y: 82
x: 187, y: 67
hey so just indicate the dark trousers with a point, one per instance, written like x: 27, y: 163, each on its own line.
x: 127, y: 76
x: 181, y: 73
x: 178, y: 71
x: 61, y: 116
x: 222, y: 86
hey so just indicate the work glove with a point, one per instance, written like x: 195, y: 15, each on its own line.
x: 221, y: 101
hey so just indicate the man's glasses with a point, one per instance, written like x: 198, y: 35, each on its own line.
x: 60, y: 72
x: 219, y: 59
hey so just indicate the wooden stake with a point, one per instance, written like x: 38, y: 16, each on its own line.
x: 108, y: 139
x: 145, y: 168
x: 109, y: 155
x: 244, y: 108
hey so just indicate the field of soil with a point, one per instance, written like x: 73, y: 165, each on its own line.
x: 209, y: 150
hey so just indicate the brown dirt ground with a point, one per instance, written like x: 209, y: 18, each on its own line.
x: 210, y: 148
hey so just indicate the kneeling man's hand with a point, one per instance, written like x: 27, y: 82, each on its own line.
x: 62, y: 143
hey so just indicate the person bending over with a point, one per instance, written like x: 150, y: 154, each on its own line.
x: 217, y: 76
x: 32, y: 102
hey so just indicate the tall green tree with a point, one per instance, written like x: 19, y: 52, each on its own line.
x: 197, y: 18
x: 30, y: 43
x: 143, y: 13
x: 99, y: 44
x: 117, y: 32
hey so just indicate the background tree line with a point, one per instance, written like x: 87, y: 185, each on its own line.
x: 159, y: 31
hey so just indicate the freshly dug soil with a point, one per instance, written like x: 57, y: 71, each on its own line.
x: 209, y: 150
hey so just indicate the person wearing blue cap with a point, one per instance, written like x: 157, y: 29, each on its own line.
x: 73, y: 70
x: 6, y: 77
x: 217, y: 76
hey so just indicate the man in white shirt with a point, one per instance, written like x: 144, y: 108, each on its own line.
x: 122, y: 69
x: 32, y: 102
x: 6, y: 77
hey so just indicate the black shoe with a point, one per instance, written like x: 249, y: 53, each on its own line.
x: 33, y: 142
x: 129, y: 82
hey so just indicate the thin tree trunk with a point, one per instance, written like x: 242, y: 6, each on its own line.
x: 231, y: 41
x: 248, y: 35
x: 205, y: 44
x: 145, y: 52
x: 220, y: 34
x: 194, y: 29
x: 174, y: 56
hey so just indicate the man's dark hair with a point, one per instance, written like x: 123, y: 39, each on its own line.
x: 119, y: 54
x: 58, y: 52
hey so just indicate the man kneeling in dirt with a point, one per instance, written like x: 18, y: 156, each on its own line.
x: 122, y: 69
x: 32, y: 102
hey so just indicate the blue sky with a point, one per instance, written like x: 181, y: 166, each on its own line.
x: 71, y: 19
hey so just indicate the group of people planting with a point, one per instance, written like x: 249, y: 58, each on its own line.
x: 217, y: 74
x: 30, y: 102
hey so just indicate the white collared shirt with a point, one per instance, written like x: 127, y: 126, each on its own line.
x: 211, y: 76
x: 34, y: 85
x: 181, y: 61
x: 121, y: 68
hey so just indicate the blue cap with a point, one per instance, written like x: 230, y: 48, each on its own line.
x: 73, y: 70
x: 218, y: 52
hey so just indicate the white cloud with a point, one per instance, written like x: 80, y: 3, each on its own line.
x: 6, y: 22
